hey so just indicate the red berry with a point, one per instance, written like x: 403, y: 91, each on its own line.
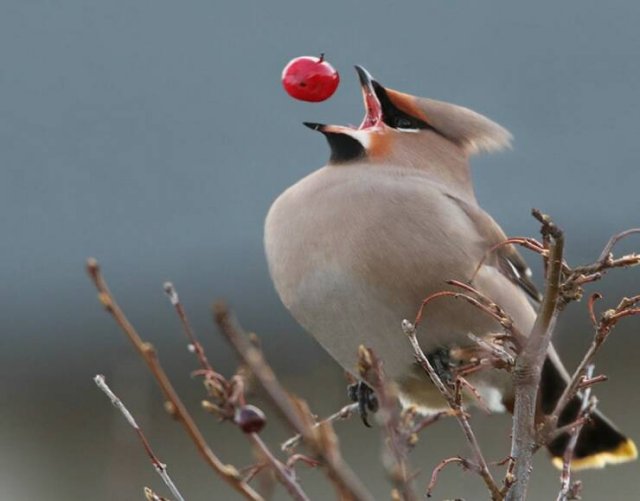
x: 310, y: 78
x: 250, y: 419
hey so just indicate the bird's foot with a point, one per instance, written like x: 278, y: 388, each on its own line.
x: 441, y: 362
x: 364, y: 395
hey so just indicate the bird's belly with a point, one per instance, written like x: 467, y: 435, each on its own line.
x: 342, y: 312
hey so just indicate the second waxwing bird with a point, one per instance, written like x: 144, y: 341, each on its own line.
x: 354, y: 247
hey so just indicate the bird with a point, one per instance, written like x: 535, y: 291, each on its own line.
x: 355, y: 246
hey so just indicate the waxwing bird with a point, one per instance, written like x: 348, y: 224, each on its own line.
x: 354, y: 247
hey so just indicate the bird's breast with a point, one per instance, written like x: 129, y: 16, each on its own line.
x: 353, y: 253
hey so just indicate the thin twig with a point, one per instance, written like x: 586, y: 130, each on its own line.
x: 152, y: 496
x: 174, y: 404
x: 479, y: 301
x: 284, y: 474
x: 497, y: 351
x: 231, y: 397
x: 577, y: 380
x: 346, y: 412
x: 478, y: 304
x: 301, y: 458
x: 389, y: 416
x: 614, y: 240
x: 585, y: 411
x: 159, y: 466
x: 474, y: 392
x: 430, y: 419
x: 526, y: 242
x: 461, y: 416
x: 194, y: 344
x: 466, y: 465
x: 338, y: 470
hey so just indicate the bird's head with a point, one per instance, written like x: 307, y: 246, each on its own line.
x: 407, y: 130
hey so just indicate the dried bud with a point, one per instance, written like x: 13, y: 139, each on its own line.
x: 214, y: 386
x: 408, y: 328
x: 250, y: 419
x: 170, y: 408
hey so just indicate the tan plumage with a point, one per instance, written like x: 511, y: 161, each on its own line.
x: 354, y: 247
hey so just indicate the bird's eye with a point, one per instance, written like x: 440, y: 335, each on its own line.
x: 402, y: 123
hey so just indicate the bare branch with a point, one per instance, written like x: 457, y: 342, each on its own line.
x: 528, y: 368
x: 194, y: 344
x: 340, y: 473
x: 345, y: 413
x: 231, y: 405
x: 585, y: 411
x: 284, y: 474
x: 160, y: 467
x: 463, y: 420
x: 397, y: 444
x: 466, y: 465
x: 528, y: 243
x: 152, y: 496
x: 173, y: 405
x: 613, y: 241
x: 432, y: 418
x: 604, y: 326
x: 301, y: 458
x: 495, y: 350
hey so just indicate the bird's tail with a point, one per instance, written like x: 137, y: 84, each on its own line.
x: 599, y: 444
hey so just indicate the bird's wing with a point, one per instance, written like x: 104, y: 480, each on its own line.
x: 506, y: 258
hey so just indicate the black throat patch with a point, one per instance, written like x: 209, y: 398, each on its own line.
x: 344, y: 148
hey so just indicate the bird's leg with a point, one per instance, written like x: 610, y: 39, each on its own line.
x: 364, y: 395
x: 441, y: 362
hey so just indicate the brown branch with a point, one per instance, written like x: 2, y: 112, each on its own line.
x: 495, y: 310
x: 528, y: 368
x: 585, y: 411
x: 340, y: 473
x: 430, y: 419
x: 461, y: 416
x: 465, y: 463
x: 603, y: 328
x: 455, y: 295
x: 463, y: 383
x: 588, y: 382
x: 527, y: 243
x: 397, y: 443
x: 582, y: 275
x: 284, y: 474
x: 249, y: 472
x: 346, y: 412
x: 596, y: 296
x: 497, y: 352
x: 152, y: 496
x: 301, y: 458
x: 194, y: 344
x: 479, y: 301
x: 159, y: 466
x: 174, y: 405
x: 231, y: 403
x: 613, y: 241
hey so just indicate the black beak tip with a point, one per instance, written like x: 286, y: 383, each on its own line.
x: 314, y: 126
x: 365, y: 77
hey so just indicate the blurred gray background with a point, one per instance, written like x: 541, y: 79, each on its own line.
x: 153, y: 135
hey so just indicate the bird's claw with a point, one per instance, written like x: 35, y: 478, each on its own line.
x: 440, y: 360
x: 364, y: 395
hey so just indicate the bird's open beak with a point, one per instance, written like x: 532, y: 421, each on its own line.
x: 373, y: 109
